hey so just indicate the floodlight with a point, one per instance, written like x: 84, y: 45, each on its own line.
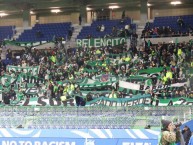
x: 113, y: 7
x: 55, y: 10
x: 176, y: 3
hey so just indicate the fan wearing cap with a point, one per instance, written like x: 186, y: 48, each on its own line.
x: 168, y: 135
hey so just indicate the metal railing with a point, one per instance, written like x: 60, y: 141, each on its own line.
x: 91, y: 117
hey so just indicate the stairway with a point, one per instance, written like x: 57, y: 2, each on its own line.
x: 19, y: 31
x: 77, y: 29
x: 140, y: 27
x: 3, y: 52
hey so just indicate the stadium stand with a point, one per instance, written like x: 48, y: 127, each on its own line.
x: 94, y: 31
x: 6, y: 32
x: 45, y: 32
x: 169, y: 26
x: 119, y: 69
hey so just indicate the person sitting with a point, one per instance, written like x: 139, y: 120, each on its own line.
x: 98, y: 28
x: 122, y: 21
x: 102, y: 28
x: 127, y: 27
x: 114, y: 31
x: 39, y: 34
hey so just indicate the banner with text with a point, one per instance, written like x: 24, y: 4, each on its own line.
x: 135, y: 100
x: 98, y: 42
x: 79, y: 137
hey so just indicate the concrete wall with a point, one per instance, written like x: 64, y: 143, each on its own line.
x: 57, y: 18
x: 133, y: 13
x: 18, y: 22
x: 89, y: 18
x: 33, y: 20
x: 173, y: 11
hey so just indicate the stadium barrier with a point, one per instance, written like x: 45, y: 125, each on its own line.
x: 170, y: 39
x: 79, y: 137
x: 85, y: 117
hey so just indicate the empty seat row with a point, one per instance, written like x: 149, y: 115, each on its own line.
x: 45, y: 32
x: 6, y: 32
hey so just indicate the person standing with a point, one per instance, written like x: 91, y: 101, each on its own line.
x: 123, y: 15
x: 80, y: 19
x: 186, y: 134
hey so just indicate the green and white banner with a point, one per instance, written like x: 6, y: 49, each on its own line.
x: 137, y: 88
x: 98, y: 81
x: 6, y: 80
x: 105, y: 78
x: 134, y: 89
x: 23, y: 44
x: 98, y: 42
x: 142, y: 100
x: 32, y: 70
x: 30, y: 79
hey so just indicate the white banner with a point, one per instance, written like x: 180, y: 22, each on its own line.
x: 128, y: 85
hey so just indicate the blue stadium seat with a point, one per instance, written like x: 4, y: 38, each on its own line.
x: 92, y: 30
x: 6, y: 32
x: 48, y: 31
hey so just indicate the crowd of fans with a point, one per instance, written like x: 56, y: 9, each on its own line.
x: 72, y: 64
x: 77, y: 63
